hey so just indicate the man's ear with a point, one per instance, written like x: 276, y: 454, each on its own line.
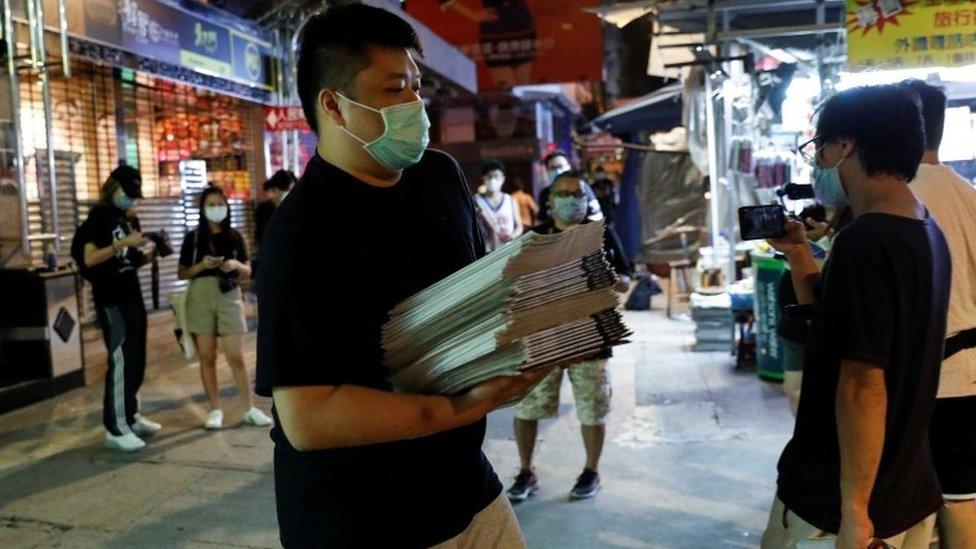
x: 328, y: 101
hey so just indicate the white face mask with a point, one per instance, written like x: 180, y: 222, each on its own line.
x: 216, y: 214
x: 493, y: 184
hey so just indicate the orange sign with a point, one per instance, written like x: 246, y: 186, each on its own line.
x: 519, y: 42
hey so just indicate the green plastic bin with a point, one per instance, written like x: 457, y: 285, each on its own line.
x: 769, y: 351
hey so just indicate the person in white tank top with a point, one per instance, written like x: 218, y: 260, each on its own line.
x: 499, y: 211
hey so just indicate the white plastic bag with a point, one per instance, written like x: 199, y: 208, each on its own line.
x: 183, y: 337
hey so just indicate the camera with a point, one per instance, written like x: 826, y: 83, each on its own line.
x: 161, y: 239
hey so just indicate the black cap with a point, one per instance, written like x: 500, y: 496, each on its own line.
x: 130, y: 179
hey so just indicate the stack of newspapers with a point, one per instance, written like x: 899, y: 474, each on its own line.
x: 542, y: 300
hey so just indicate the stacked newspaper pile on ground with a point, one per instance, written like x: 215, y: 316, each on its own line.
x: 539, y: 301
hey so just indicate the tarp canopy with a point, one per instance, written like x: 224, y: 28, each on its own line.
x: 657, y: 111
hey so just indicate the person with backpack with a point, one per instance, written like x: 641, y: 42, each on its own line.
x: 107, y: 250
x: 214, y: 259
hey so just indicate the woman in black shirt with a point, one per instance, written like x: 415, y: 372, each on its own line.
x: 214, y: 259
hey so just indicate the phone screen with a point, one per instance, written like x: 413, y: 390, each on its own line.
x: 761, y: 222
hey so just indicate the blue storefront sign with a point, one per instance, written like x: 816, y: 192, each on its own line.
x: 251, y: 58
x: 205, y: 47
x: 150, y: 29
x: 165, y: 32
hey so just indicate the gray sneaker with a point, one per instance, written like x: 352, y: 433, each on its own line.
x: 587, y: 485
x: 526, y: 484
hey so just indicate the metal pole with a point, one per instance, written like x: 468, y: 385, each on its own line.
x: 772, y: 32
x: 63, y: 30
x: 732, y: 181
x: 14, y: 79
x: 48, y: 122
x: 283, y: 136
x: 713, y: 183
x: 293, y: 87
x: 32, y: 25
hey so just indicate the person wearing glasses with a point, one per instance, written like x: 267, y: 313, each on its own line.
x: 590, y: 379
x: 859, y: 468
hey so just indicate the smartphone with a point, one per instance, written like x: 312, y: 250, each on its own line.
x: 762, y: 222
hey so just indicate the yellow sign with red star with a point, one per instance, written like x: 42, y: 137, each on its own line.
x: 895, y: 34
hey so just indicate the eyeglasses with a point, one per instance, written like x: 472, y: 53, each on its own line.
x: 808, y: 150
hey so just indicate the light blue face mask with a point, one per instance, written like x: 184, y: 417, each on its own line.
x: 123, y: 201
x: 404, y: 138
x: 570, y: 209
x: 827, y: 185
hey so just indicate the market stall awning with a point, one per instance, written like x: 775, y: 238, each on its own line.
x: 657, y: 111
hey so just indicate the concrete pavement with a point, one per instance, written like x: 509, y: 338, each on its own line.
x: 689, y: 462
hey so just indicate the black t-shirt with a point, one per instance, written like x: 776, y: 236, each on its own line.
x: 611, y: 248
x: 114, y: 281
x: 262, y: 215
x: 328, y: 281
x: 882, y: 300
x: 228, y: 244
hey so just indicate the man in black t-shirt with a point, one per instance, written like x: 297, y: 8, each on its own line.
x: 859, y: 464
x: 275, y: 189
x: 355, y: 463
x: 111, y: 238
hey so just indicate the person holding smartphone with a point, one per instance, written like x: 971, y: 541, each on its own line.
x: 859, y: 466
x: 214, y: 259
x: 110, y: 242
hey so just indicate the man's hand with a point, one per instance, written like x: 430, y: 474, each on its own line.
x: 818, y: 230
x: 623, y: 284
x: 230, y: 265
x: 856, y: 531
x: 501, y: 391
x: 132, y: 240
x: 794, y: 241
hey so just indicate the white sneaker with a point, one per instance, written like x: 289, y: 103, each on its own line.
x: 144, y: 427
x: 124, y: 443
x: 257, y: 418
x: 215, y: 420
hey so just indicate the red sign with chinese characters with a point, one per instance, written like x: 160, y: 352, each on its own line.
x: 282, y: 119
x: 519, y: 42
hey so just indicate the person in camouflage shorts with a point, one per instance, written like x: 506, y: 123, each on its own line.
x: 590, y: 379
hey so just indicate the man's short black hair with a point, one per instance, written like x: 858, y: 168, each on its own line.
x: 885, y: 123
x: 933, y: 111
x: 554, y: 154
x: 491, y: 166
x: 334, y: 49
x: 282, y: 179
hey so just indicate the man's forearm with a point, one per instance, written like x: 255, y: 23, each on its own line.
x: 317, y: 418
x: 805, y: 271
x: 861, y: 407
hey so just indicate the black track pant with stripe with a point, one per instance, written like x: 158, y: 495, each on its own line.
x: 124, y: 331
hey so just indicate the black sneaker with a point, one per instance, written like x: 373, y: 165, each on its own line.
x: 526, y: 484
x: 587, y: 485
